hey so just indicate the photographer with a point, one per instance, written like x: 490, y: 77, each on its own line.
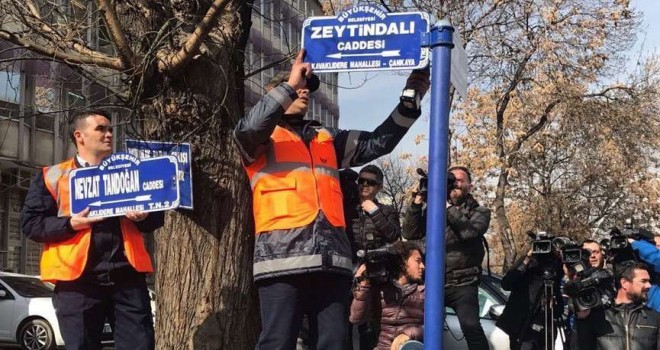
x: 627, y: 324
x: 523, y: 316
x: 651, y: 255
x: 370, y: 224
x: 467, y: 222
x: 398, y: 303
x: 596, y: 257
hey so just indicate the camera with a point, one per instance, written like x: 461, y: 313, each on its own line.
x: 544, y: 245
x: 591, y: 288
x: 378, y: 263
x: 572, y: 253
x: 423, y: 188
x: 619, y: 250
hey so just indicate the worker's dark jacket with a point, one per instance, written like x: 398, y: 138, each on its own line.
x: 352, y: 147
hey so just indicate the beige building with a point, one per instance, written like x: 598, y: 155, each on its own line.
x: 36, y: 95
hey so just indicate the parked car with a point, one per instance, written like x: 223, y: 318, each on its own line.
x: 492, y: 299
x: 27, y: 315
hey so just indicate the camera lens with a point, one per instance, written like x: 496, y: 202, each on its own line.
x: 588, y: 299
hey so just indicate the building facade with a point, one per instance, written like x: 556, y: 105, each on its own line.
x: 275, y: 37
x: 37, y: 94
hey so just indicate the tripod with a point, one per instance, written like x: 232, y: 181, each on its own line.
x: 543, y: 302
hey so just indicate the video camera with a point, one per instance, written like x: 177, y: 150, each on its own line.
x: 545, y: 245
x: 591, y: 288
x: 618, y: 248
x: 378, y: 262
x: 423, y: 188
x: 619, y: 238
x: 550, y: 251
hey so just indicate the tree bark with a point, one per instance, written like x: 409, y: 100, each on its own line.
x: 503, y: 226
x: 204, y: 286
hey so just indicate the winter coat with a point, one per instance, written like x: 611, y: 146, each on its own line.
x: 466, y: 225
x: 621, y: 326
x: 399, y: 308
x: 525, y: 283
x: 650, y: 255
x: 371, y: 230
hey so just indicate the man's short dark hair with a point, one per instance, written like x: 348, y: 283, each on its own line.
x: 463, y: 169
x: 372, y: 169
x: 626, y: 270
x: 403, y: 251
x: 589, y: 241
x: 76, y: 119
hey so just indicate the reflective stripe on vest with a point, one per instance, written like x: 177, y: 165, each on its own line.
x: 299, y: 262
x: 291, y: 182
x: 66, y: 260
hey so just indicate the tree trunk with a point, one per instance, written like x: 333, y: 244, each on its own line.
x: 205, y: 294
x: 503, y: 227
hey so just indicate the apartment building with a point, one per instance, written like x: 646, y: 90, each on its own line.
x: 36, y: 93
x: 275, y: 35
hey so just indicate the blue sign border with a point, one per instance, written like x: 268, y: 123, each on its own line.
x: 172, y: 145
x: 173, y: 204
x: 424, y: 52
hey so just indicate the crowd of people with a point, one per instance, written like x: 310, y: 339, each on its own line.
x: 327, y: 254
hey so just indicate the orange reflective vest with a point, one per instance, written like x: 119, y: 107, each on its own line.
x: 66, y: 260
x: 291, y: 183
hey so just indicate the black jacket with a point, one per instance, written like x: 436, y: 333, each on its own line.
x: 525, y: 283
x: 466, y: 225
x: 40, y: 223
x: 621, y: 326
x: 370, y: 231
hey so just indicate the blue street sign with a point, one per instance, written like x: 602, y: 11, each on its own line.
x: 123, y: 183
x: 366, y: 38
x: 181, y: 151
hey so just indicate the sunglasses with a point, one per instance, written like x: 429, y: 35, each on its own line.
x: 367, y: 182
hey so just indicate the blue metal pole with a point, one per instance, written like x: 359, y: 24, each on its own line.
x: 441, y: 44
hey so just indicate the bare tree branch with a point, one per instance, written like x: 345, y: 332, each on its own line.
x: 171, y: 63
x: 288, y: 57
x: 57, y: 38
x: 117, y: 33
x: 72, y: 58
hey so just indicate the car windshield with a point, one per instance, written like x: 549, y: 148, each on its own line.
x: 28, y: 287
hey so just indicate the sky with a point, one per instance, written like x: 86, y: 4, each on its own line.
x: 366, y: 99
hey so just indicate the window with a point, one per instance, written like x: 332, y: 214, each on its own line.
x: 486, y: 300
x: 29, y: 287
x: 10, y: 94
x: 277, y: 19
x: 46, y: 103
x: 266, y: 12
x: 277, y: 30
x: 10, y: 87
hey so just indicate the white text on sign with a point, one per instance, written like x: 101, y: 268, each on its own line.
x: 113, y: 184
x: 365, y: 29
